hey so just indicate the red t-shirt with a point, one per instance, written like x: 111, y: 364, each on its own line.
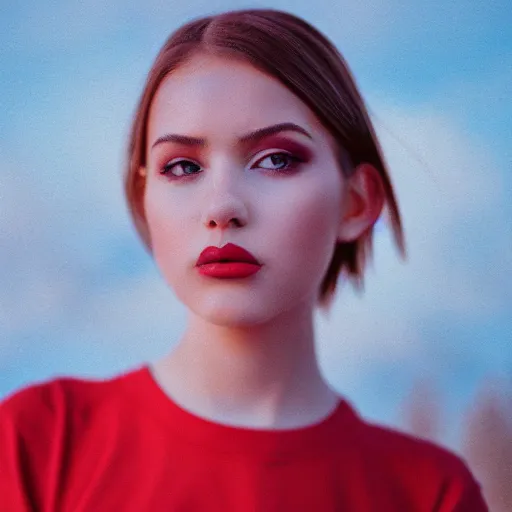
x: 123, y: 445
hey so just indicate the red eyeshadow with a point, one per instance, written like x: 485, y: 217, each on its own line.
x: 292, y: 146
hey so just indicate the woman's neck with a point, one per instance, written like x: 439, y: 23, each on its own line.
x: 261, y: 376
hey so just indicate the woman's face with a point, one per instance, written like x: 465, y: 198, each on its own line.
x: 285, y: 210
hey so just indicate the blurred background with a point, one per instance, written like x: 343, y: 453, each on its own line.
x: 427, y: 347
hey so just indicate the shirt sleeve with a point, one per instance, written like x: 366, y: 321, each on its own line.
x: 472, y: 500
x: 26, y: 420
x: 462, y: 494
x: 13, y: 485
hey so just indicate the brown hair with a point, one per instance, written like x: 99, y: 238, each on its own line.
x: 308, y: 64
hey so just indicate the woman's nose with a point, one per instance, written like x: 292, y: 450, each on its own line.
x: 224, y: 206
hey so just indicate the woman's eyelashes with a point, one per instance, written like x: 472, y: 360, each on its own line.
x: 278, y: 159
x: 170, y: 167
x: 277, y: 162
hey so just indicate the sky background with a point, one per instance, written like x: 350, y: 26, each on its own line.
x: 80, y: 296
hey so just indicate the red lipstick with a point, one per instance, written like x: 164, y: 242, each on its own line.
x: 230, y: 261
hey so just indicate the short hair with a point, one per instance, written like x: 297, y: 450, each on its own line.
x: 309, y: 65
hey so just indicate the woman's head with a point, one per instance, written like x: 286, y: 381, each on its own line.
x: 219, y: 78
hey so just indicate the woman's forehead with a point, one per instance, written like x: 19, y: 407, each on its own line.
x: 224, y: 95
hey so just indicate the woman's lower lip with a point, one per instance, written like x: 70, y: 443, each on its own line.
x: 231, y: 269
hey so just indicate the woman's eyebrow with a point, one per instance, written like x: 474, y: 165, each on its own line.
x: 244, y: 139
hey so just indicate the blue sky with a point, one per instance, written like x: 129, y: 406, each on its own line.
x: 78, y: 294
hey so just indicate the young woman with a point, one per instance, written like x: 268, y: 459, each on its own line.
x: 255, y: 180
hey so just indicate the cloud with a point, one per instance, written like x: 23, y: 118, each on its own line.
x: 62, y: 25
x: 65, y: 231
x: 449, y: 204
x: 451, y: 194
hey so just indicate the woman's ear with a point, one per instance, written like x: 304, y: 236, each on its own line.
x: 363, y: 201
x: 142, y: 171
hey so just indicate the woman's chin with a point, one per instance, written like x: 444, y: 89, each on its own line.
x: 233, y: 315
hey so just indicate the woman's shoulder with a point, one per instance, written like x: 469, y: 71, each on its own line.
x: 39, y: 403
x: 45, y: 424
x: 58, y: 412
x: 423, y: 465
x: 392, y: 443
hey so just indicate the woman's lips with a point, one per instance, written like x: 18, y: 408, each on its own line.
x: 230, y: 269
x: 230, y: 261
x: 230, y: 252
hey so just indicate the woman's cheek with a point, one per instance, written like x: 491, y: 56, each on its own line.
x: 313, y: 210
x: 312, y: 228
x: 166, y: 230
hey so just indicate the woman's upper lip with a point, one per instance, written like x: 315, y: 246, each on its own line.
x: 230, y: 252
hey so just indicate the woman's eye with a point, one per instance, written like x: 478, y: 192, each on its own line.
x: 283, y: 161
x: 280, y: 162
x: 187, y: 168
